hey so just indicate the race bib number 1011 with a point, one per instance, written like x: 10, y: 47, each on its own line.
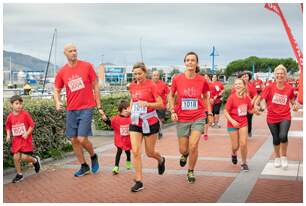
x: 189, y: 104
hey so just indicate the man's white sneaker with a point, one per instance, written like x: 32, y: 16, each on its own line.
x: 277, y: 162
x: 284, y: 162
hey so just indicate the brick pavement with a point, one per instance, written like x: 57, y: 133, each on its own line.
x: 214, y: 172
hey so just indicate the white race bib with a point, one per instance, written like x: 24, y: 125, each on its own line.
x: 242, y: 110
x: 76, y: 84
x: 137, y: 109
x: 279, y: 99
x: 217, y: 88
x: 124, y: 130
x: 18, y: 129
x: 257, y: 86
x: 189, y: 104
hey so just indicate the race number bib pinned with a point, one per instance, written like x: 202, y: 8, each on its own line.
x: 217, y: 88
x: 279, y: 99
x: 18, y: 129
x: 137, y: 109
x: 76, y: 84
x: 257, y: 86
x: 242, y: 110
x: 124, y: 130
x: 189, y: 104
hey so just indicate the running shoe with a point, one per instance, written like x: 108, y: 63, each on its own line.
x: 250, y: 134
x: 137, y: 187
x: 284, y: 162
x: 95, y: 164
x: 17, y: 178
x: 115, y: 170
x: 245, y: 167
x: 277, y: 162
x: 128, y: 165
x: 190, y: 177
x: 84, y: 170
x: 183, y: 160
x: 161, y: 166
x: 37, y: 164
x: 234, y: 159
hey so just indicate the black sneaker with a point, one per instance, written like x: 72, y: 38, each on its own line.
x: 83, y: 171
x: 183, y: 160
x: 190, y: 177
x: 95, y: 168
x: 250, y: 134
x: 18, y: 178
x: 244, y: 167
x: 160, y: 135
x: 37, y: 164
x: 137, y: 187
x: 234, y: 159
x: 161, y: 166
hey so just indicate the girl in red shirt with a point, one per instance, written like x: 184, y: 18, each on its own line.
x: 145, y: 124
x: 237, y: 106
x: 20, y: 124
x: 277, y: 97
x: 120, y: 123
x: 192, y: 92
x: 218, y: 90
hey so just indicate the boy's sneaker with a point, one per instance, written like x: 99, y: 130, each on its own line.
x: 95, y: 164
x: 161, y: 166
x: 284, y: 162
x: 190, y: 177
x: 128, y: 165
x: 84, y: 170
x: 277, y: 162
x: 17, y: 178
x: 234, y: 159
x: 183, y: 160
x: 37, y: 164
x: 244, y: 167
x: 137, y: 187
x: 115, y: 170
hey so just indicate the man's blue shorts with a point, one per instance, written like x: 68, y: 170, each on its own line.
x: 78, y: 123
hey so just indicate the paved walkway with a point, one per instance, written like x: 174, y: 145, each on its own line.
x: 217, y: 179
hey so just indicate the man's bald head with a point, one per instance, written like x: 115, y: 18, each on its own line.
x: 155, y: 76
x: 70, y: 52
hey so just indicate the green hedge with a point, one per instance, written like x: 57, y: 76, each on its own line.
x: 48, y: 135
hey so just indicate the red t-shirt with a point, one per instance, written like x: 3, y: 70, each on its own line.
x: 120, y: 124
x: 189, y: 102
x: 145, y: 91
x: 217, y: 88
x: 238, y: 109
x: 278, y: 102
x: 267, y: 83
x: 18, y: 125
x: 162, y: 90
x: 78, y: 83
x: 257, y: 83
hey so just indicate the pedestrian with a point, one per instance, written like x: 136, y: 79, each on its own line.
x: 20, y: 125
x: 82, y: 91
x: 208, y: 79
x: 163, y: 91
x: 145, y: 124
x: 120, y: 123
x: 192, y: 92
x: 278, y: 95
x: 216, y: 95
x: 236, y: 108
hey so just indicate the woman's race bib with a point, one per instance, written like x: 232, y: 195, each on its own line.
x: 124, y: 130
x: 242, y: 110
x: 217, y: 88
x: 279, y: 99
x: 189, y: 104
x: 137, y: 109
x: 18, y: 129
x: 76, y: 84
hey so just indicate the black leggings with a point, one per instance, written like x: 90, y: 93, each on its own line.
x: 216, y: 109
x: 118, y: 155
x: 250, y: 118
x: 279, y: 131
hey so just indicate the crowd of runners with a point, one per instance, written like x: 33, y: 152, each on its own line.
x: 193, y: 100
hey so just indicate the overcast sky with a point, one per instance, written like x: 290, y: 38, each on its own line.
x: 168, y: 31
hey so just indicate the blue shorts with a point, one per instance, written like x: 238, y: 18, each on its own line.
x: 78, y: 123
x: 232, y: 129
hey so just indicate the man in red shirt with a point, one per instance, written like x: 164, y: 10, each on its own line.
x: 257, y: 83
x: 82, y: 91
x: 163, y: 91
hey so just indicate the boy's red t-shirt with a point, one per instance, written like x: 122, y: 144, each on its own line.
x: 217, y: 88
x: 278, y: 102
x: 189, y: 105
x: 120, y: 124
x: 18, y: 125
x: 78, y: 83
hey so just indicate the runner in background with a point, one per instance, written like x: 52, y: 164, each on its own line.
x: 258, y: 84
x: 208, y: 79
x: 216, y: 95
